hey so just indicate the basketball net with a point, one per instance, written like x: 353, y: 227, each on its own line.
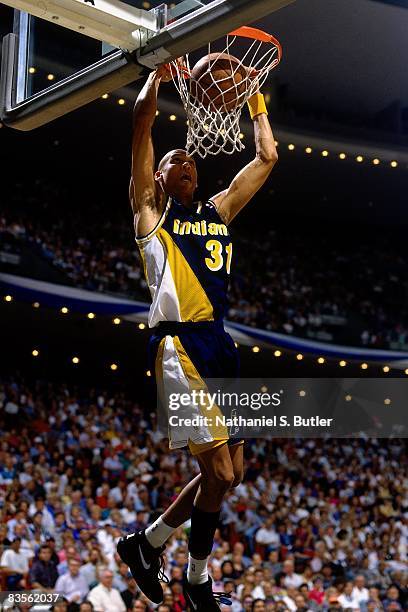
x: 213, y: 130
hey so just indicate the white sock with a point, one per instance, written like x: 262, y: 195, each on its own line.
x: 158, y: 533
x: 197, y: 571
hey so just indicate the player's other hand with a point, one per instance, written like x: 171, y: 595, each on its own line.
x: 164, y: 73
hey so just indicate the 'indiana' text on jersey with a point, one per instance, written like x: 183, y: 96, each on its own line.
x: 187, y: 262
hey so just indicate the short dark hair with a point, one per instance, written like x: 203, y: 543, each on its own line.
x: 162, y: 161
x: 165, y: 157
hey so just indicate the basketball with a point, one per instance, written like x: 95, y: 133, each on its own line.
x: 219, y: 81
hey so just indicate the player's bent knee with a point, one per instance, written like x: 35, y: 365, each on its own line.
x: 218, y: 483
x: 238, y: 478
x: 227, y: 482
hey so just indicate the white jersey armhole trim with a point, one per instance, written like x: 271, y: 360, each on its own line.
x: 143, y: 239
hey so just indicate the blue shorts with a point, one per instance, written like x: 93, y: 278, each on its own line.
x: 182, y: 356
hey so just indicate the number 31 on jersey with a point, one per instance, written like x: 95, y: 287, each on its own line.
x: 216, y: 261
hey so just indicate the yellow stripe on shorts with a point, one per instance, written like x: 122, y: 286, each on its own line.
x: 218, y: 432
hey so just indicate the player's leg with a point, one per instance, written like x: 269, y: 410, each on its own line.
x: 217, y: 476
x: 237, y: 457
x: 175, y: 515
x: 180, y: 510
x: 144, y: 559
x: 141, y: 551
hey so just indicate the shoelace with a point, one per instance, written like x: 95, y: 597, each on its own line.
x: 160, y: 572
x: 223, y: 598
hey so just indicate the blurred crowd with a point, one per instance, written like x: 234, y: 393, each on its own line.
x: 309, y: 283
x: 317, y: 525
x: 321, y: 286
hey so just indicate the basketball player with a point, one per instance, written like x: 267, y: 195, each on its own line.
x: 186, y: 251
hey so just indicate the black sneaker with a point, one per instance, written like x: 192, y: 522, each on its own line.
x: 200, y: 597
x: 145, y: 563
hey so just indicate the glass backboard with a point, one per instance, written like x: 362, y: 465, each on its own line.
x: 49, y: 70
x: 55, y: 53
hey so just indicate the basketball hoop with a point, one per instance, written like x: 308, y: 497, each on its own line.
x: 213, y: 122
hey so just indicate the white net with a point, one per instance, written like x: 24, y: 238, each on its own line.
x: 213, y: 98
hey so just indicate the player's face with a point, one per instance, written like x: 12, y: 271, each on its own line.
x: 178, y: 174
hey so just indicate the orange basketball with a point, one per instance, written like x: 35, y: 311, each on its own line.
x: 219, y: 81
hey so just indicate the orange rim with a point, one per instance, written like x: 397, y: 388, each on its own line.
x: 173, y: 72
x: 247, y: 32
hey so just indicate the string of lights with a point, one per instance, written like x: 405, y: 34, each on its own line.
x: 291, y: 146
x: 75, y: 360
x: 302, y: 393
x: 342, y: 156
x: 64, y: 310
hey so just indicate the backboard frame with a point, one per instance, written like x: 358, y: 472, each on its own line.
x: 117, y: 69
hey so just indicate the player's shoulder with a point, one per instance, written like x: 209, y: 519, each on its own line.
x: 207, y: 206
x: 210, y: 209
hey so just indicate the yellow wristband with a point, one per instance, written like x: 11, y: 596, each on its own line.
x: 256, y: 105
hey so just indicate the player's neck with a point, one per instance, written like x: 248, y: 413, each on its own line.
x: 185, y: 200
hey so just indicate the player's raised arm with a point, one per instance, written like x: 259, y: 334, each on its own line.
x: 251, y: 178
x: 143, y: 190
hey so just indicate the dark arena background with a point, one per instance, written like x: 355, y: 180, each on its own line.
x: 319, y: 289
